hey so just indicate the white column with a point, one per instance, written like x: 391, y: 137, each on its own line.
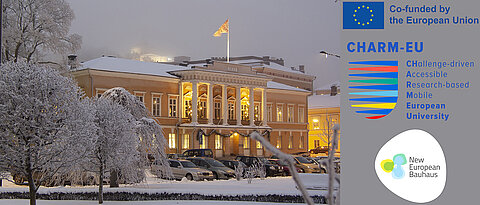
x: 210, y: 103
x: 238, y: 105
x: 251, y: 107
x: 194, y: 102
x: 224, y: 105
x: 180, y: 102
x: 264, y: 107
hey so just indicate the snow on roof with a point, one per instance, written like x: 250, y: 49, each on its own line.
x: 323, y: 101
x: 275, y: 85
x: 328, y: 86
x: 130, y: 66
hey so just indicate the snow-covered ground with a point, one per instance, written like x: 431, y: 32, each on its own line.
x: 275, y: 185
x: 166, y: 202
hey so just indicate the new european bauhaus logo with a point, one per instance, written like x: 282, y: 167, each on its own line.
x: 363, y: 15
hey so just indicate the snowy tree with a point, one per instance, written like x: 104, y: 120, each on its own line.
x: 152, y: 141
x: 116, y: 144
x: 45, y: 126
x: 32, y: 28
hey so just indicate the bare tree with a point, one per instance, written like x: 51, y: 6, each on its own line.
x: 44, y: 124
x: 32, y: 28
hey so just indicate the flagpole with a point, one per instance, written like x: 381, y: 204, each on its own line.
x: 228, y: 42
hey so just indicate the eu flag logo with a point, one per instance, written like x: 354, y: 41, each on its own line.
x: 363, y: 15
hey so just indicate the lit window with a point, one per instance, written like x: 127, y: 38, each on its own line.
x: 301, y: 114
x: 188, y: 109
x: 246, y: 143
x: 279, y: 112
x: 171, y: 141
x: 140, y: 98
x: 244, y: 108
x: 269, y: 113
x: 172, y: 106
x: 316, y: 143
x: 186, y: 141
x: 218, y: 110
x: 316, y: 124
x: 231, y: 110
x: 256, y: 112
x: 218, y: 142
x: 204, y: 143
x: 290, y: 142
x: 279, y: 142
x: 202, y: 109
x: 156, y: 105
x: 290, y: 114
x: 259, y: 145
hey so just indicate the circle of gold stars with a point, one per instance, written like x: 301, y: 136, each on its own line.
x: 367, y: 8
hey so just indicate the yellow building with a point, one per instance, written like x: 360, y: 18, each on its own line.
x: 232, y: 100
x: 323, y: 113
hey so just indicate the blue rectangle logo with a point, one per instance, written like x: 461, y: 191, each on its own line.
x: 363, y: 15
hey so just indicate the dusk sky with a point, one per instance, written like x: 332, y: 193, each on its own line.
x: 294, y: 30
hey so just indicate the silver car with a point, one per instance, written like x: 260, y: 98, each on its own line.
x: 187, y: 169
x: 220, y: 171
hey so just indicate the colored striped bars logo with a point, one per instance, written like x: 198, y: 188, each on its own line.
x: 375, y: 87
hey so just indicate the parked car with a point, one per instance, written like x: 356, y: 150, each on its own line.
x: 319, y: 150
x: 320, y: 162
x: 185, y: 168
x: 198, y: 153
x: 219, y: 170
x: 306, y: 166
x: 175, y: 156
x: 270, y: 169
x: 232, y: 163
x: 284, y: 166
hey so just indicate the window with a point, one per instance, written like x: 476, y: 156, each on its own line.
x: 246, y: 143
x: 244, y: 111
x: 218, y: 142
x: 279, y: 142
x: 316, y: 124
x: 156, y: 105
x: 256, y: 112
x: 290, y: 142
x: 202, y: 109
x: 140, y: 96
x: 204, y: 143
x: 290, y: 114
x: 259, y: 145
x: 279, y: 112
x: 301, y: 114
x: 269, y: 113
x: 188, y: 109
x: 300, y: 143
x: 171, y: 141
x: 186, y: 141
x: 316, y: 143
x: 172, y: 106
x: 218, y: 110
x: 100, y: 91
x: 231, y: 110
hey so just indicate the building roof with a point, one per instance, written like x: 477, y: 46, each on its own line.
x: 281, y: 86
x: 130, y: 66
x: 323, y: 101
x: 148, y: 68
x: 328, y: 86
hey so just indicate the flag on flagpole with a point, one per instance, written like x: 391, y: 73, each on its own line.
x: 222, y: 29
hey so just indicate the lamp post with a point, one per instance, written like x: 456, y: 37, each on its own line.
x: 329, y: 54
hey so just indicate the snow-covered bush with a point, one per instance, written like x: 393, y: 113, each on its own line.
x: 239, y: 170
x: 45, y: 126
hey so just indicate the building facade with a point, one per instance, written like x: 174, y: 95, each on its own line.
x: 232, y: 101
x: 323, y: 114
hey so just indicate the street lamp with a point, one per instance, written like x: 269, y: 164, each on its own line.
x: 327, y: 54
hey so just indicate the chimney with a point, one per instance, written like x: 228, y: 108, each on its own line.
x: 301, y: 68
x: 72, y: 61
x: 333, y: 90
x: 266, y: 60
